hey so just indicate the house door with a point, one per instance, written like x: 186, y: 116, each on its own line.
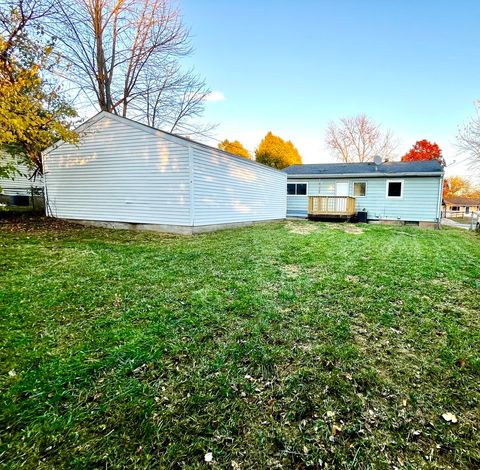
x: 341, y: 189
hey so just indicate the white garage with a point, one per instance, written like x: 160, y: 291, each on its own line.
x: 128, y: 175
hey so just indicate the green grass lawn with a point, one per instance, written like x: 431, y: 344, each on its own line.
x: 293, y: 344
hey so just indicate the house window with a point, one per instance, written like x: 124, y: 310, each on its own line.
x: 297, y: 189
x: 467, y: 210
x: 359, y: 189
x: 455, y: 208
x: 395, y: 189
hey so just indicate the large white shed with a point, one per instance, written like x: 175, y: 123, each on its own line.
x: 125, y: 174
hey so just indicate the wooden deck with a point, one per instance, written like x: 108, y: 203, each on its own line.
x: 331, y: 206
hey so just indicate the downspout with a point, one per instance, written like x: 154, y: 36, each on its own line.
x: 440, y: 197
x: 45, y: 194
x: 192, y: 186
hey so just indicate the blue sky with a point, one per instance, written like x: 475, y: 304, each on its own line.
x: 290, y: 67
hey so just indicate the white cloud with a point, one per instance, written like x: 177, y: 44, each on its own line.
x: 215, y: 96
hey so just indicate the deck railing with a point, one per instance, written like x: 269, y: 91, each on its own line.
x: 331, y: 205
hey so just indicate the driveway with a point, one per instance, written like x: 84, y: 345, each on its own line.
x: 452, y: 223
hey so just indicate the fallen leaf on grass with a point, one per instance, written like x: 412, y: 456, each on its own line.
x: 450, y: 417
x: 336, y: 429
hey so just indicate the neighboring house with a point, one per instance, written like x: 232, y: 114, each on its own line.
x: 122, y: 172
x: 406, y: 192
x: 21, y: 183
x: 460, y: 206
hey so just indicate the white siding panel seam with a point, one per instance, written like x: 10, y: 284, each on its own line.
x: 192, y: 185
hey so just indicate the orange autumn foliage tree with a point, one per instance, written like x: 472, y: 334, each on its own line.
x: 458, y: 186
x: 275, y: 152
x: 424, y: 150
x: 445, y: 189
x: 234, y: 147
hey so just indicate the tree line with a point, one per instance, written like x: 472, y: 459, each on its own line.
x: 351, y: 139
x: 356, y: 139
x: 126, y: 57
x: 272, y: 151
x: 359, y: 139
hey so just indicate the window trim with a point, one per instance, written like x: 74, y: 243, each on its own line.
x: 402, y: 188
x: 353, y: 188
x: 295, y: 183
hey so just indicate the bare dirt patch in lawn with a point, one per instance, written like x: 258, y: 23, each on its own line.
x: 347, y: 228
x: 291, y: 270
x: 301, y: 228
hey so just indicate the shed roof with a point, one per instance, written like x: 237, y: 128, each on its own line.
x: 416, y: 168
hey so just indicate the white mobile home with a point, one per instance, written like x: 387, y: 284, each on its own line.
x: 125, y: 174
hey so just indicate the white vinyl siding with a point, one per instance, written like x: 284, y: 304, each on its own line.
x: 120, y: 173
x: 231, y: 189
x: 419, y: 201
x: 20, y: 183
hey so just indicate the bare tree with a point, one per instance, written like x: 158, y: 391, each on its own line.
x: 124, y: 55
x: 358, y: 139
x: 169, y: 98
x: 468, y: 138
x: 21, y: 29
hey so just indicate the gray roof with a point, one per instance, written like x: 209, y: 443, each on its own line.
x: 417, y: 168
